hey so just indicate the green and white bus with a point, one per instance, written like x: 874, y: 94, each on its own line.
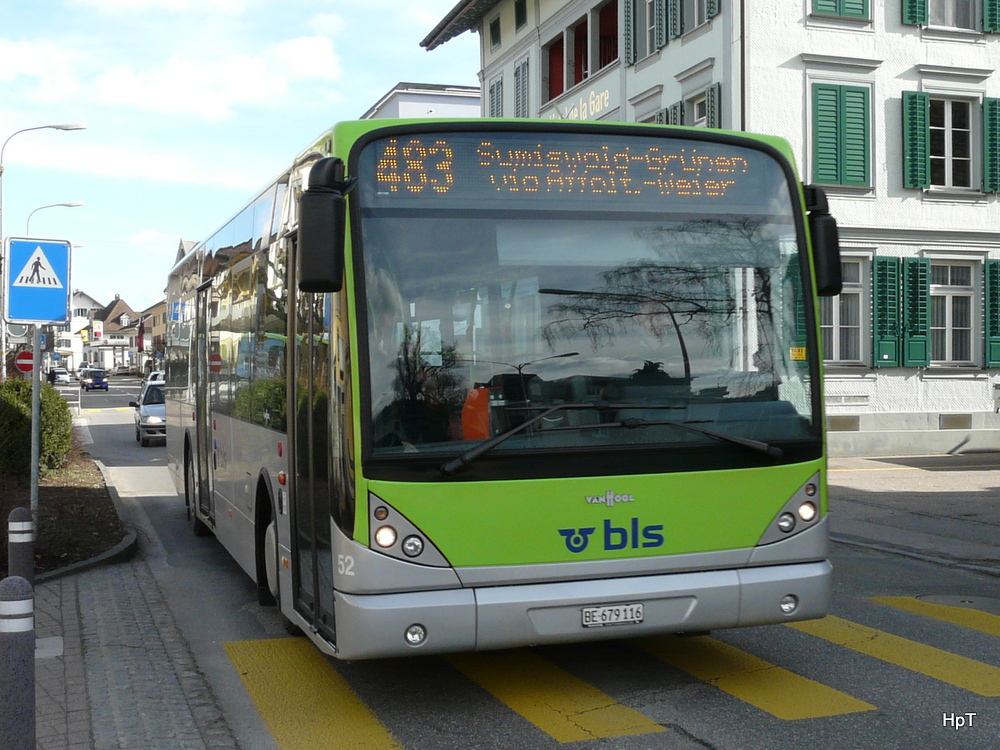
x: 461, y: 385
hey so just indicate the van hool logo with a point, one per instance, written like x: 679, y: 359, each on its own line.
x: 609, y: 498
x: 615, y: 537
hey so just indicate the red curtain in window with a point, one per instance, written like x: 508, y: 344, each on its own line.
x: 608, y: 33
x: 579, y: 52
x: 556, y: 78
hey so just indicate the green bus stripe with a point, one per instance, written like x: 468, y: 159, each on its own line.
x: 770, y: 688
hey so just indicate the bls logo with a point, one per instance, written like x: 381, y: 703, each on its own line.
x: 615, y: 537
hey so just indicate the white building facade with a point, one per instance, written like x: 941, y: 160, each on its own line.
x: 893, y: 107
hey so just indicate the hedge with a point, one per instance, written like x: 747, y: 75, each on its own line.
x: 56, y: 437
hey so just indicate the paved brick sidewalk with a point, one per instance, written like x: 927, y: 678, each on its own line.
x: 113, y: 670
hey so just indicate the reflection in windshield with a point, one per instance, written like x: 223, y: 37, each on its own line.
x: 476, y: 325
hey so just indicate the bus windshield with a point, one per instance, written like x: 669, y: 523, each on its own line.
x: 635, y: 281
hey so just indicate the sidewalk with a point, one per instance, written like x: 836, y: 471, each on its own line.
x: 944, y: 509
x: 112, y: 668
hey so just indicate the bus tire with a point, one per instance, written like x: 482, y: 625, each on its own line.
x: 197, y: 525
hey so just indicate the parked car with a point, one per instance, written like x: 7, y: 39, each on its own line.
x: 91, y: 379
x: 150, y: 413
x: 159, y: 375
x: 61, y: 373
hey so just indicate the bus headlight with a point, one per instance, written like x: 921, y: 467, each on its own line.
x: 385, y: 537
x: 807, y: 512
x: 786, y: 522
x: 413, y: 546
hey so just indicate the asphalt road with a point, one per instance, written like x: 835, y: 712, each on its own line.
x: 885, y: 671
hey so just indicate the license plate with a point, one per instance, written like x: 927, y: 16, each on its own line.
x: 616, y: 614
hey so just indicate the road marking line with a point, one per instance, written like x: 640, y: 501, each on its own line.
x: 769, y: 687
x: 304, y: 702
x: 561, y: 705
x: 956, y: 670
x: 973, y: 619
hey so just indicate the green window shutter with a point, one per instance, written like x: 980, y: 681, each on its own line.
x: 991, y: 145
x: 885, y: 313
x: 675, y: 115
x: 827, y: 7
x: 854, y: 9
x: 713, y: 105
x: 991, y: 16
x: 825, y: 134
x: 916, y: 140
x: 628, y: 31
x: 916, y: 312
x: 856, y: 143
x: 841, y: 138
x: 660, y: 19
x: 712, y: 8
x: 915, y: 12
x: 992, y: 313
x: 661, y: 116
x: 675, y: 20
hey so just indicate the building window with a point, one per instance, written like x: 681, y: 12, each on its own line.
x: 521, y: 89
x: 695, y: 13
x: 607, y: 32
x: 952, y: 315
x: 951, y: 143
x: 959, y: 14
x: 494, y: 33
x: 580, y: 67
x: 840, y: 317
x: 696, y: 110
x: 520, y: 13
x: 555, y: 75
x: 841, y: 131
x: 841, y: 8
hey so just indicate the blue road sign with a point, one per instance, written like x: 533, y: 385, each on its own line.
x: 36, y: 274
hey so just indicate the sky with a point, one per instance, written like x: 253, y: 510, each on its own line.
x: 191, y: 106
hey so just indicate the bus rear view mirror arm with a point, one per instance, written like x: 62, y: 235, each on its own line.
x: 825, y: 242
x: 322, y: 227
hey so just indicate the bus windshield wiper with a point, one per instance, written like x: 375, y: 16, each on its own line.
x: 452, y: 467
x: 632, y: 423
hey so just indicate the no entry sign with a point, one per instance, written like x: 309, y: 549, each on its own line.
x: 215, y: 362
x: 25, y: 361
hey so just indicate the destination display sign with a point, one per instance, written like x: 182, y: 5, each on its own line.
x: 565, y: 166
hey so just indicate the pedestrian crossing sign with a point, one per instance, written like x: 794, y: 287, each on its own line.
x: 37, y: 280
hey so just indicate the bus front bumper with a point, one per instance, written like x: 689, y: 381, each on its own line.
x: 374, y: 626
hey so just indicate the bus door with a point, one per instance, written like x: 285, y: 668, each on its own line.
x: 202, y: 405
x: 311, y: 519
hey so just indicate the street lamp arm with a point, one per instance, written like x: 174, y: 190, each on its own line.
x: 27, y: 225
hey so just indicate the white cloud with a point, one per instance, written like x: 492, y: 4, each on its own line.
x: 138, y: 7
x: 212, y: 88
x: 52, y: 67
x: 134, y: 164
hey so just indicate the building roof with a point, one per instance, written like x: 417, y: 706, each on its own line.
x: 112, y: 316
x: 463, y: 17
x: 404, y: 88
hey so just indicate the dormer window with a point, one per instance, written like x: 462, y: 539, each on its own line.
x: 125, y: 320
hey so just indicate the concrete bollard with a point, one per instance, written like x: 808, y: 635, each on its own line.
x: 21, y: 544
x: 17, y: 664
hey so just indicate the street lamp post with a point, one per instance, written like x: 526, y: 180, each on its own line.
x: 3, y: 323
x: 27, y: 225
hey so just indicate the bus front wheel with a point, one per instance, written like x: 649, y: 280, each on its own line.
x: 190, y: 499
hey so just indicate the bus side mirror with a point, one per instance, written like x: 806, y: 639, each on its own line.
x: 825, y: 243
x: 322, y: 227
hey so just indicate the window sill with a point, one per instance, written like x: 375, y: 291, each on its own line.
x: 954, y: 195
x: 843, y: 23
x: 847, y: 191
x: 951, y: 34
x: 953, y: 372
x: 853, y: 369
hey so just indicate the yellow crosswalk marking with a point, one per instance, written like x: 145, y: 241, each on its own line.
x: 770, y: 688
x: 564, y: 707
x: 305, y: 704
x: 960, y: 671
x: 973, y: 619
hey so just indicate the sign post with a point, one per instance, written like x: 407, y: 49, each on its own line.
x: 36, y: 275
